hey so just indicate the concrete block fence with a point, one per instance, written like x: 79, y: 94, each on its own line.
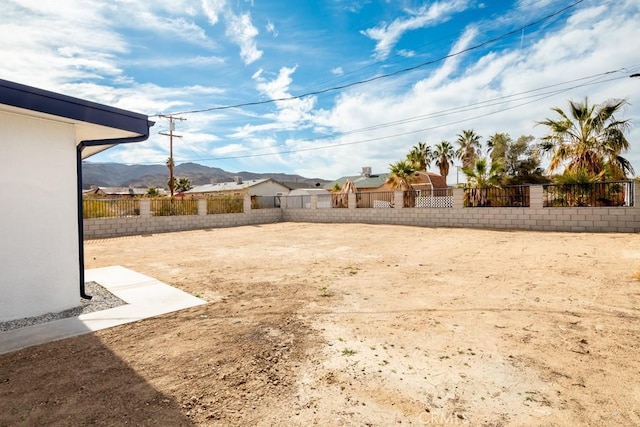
x: 535, y: 217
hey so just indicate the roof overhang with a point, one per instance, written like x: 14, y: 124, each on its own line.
x: 98, y: 126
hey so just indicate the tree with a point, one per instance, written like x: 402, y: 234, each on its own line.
x: 520, y: 160
x: 469, y: 148
x: 402, y: 175
x: 172, y: 180
x: 483, y: 174
x: 152, y: 192
x: 444, y: 155
x: 420, y: 156
x: 589, y: 137
x: 183, y: 184
x: 497, y: 145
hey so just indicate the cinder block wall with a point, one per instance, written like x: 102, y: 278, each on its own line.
x: 536, y: 217
x: 95, y: 228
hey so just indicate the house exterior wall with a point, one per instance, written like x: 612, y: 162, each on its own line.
x: 39, y: 245
x: 268, y: 188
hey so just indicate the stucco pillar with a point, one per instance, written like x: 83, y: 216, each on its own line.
x: 247, y: 203
x: 398, y: 199
x: 353, y: 203
x: 458, y: 198
x: 536, y: 195
x: 202, y: 207
x: 145, y: 208
x: 314, y: 201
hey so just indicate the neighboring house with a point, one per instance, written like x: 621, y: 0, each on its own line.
x: 119, y: 192
x: 366, y: 181
x: 301, y: 197
x: 45, y: 137
x: 239, y: 187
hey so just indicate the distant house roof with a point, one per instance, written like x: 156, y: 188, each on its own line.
x: 308, y: 191
x: 237, y: 185
x: 98, y: 126
x: 118, y: 191
x: 361, y: 181
x: 376, y: 181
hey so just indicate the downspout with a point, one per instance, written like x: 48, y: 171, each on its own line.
x: 80, y: 147
x: 83, y: 293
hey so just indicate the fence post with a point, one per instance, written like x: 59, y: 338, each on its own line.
x: 458, y: 198
x: 283, y: 202
x: 314, y: 201
x: 202, y: 206
x: 246, y: 203
x: 536, y: 196
x: 145, y: 208
x: 398, y: 199
x: 353, y: 203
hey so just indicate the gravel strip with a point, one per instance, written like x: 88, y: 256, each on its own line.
x: 102, y: 300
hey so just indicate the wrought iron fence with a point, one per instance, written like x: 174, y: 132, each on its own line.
x: 174, y: 207
x: 597, y: 194
x: 224, y: 205
x: 430, y: 198
x: 265, y: 202
x: 110, y: 208
x: 375, y: 199
x: 515, y: 196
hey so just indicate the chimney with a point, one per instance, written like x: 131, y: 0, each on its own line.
x: 237, y: 179
x: 366, y: 171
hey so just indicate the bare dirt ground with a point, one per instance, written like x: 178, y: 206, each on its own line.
x: 338, y: 324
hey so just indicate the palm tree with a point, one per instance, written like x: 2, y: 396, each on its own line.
x: 589, y: 137
x: 402, y: 175
x: 469, y: 147
x: 420, y: 156
x: 444, y: 155
x: 182, y: 185
x: 483, y: 174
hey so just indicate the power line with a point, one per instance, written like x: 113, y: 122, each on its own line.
x: 537, y: 97
x: 391, y: 74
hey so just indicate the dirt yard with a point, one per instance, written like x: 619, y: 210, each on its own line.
x: 354, y: 325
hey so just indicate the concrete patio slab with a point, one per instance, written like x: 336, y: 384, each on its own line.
x: 145, y: 297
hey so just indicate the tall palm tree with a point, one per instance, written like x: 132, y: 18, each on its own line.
x: 402, y: 175
x: 420, y: 156
x: 444, y: 155
x: 589, y: 137
x: 469, y: 147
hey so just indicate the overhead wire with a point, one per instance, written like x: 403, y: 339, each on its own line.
x: 385, y: 75
x: 537, y: 97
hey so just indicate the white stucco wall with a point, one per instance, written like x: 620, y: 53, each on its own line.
x: 38, y: 210
x: 268, y: 188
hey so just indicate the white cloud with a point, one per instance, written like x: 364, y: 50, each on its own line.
x: 242, y: 32
x: 387, y: 35
x: 271, y: 28
x: 213, y: 9
x: 337, y: 71
x: 594, y: 41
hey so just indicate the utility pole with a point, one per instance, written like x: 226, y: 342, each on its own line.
x: 172, y: 128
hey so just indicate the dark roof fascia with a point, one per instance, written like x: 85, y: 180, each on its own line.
x: 43, y: 101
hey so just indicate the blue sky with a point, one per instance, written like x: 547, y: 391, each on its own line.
x: 439, y: 67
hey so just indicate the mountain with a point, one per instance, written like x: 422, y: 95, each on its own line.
x: 145, y: 176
